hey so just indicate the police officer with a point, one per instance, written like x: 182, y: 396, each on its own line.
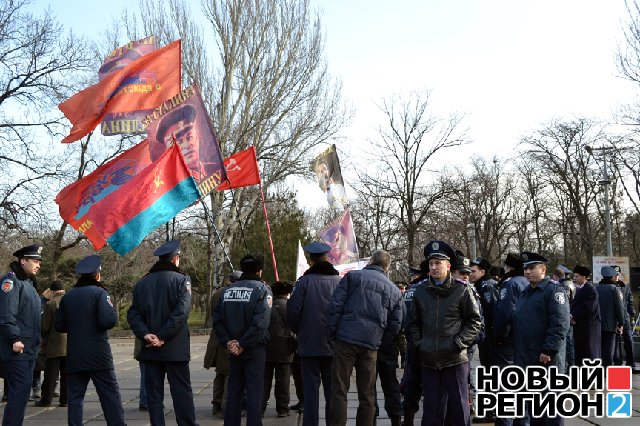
x: 158, y: 317
x: 540, y: 322
x: 411, y: 381
x: 486, y: 288
x: 611, y: 313
x: 85, y: 314
x: 629, y: 313
x: 20, y: 330
x: 564, y: 277
x: 241, y: 320
x: 306, y: 314
x: 444, y: 321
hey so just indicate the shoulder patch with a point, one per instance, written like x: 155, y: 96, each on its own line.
x: 188, y: 285
x: 503, y: 293
x: 270, y: 301
x: 109, y: 301
x: 7, y: 285
x: 560, y: 298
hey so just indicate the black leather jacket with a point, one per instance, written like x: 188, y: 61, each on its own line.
x: 444, y: 321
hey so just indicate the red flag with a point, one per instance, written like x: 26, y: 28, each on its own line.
x: 77, y: 199
x: 242, y: 170
x: 154, y: 196
x: 143, y: 84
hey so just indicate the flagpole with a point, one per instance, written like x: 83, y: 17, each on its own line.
x: 266, y: 217
x: 215, y: 230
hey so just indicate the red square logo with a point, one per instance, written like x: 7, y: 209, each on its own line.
x: 619, y: 378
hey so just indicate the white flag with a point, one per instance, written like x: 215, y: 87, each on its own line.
x: 301, y: 265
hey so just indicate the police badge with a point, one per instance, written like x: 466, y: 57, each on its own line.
x: 560, y: 298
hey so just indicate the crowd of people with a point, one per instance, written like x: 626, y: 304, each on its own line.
x: 317, y: 330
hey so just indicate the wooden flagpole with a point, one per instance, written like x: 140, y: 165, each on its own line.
x: 266, y: 217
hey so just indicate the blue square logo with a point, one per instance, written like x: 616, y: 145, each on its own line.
x: 619, y: 404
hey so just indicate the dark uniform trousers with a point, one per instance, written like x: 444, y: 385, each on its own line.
x: 346, y: 357
x: 53, y: 367
x: 608, y: 347
x: 386, y: 364
x: 282, y: 372
x: 628, y: 348
x: 177, y: 373
x: 18, y: 375
x: 413, y: 383
x: 108, y: 392
x: 454, y: 382
x: 296, y: 373
x: 315, y: 369
x: 245, y: 371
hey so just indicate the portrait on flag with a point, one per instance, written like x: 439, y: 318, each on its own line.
x: 327, y: 169
x: 340, y: 235
x: 184, y: 119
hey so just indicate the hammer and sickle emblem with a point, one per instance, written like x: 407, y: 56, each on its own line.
x: 158, y: 180
x: 233, y: 166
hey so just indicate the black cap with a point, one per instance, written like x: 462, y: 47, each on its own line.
x: 89, y: 265
x: 530, y: 258
x: 462, y: 264
x: 317, y: 248
x: 56, y: 285
x: 169, y: 248
x: 252, y: 263
x: 582, y: 270
x: 437, y: 249
x: 235, y: 276
x: 34, y: 251
x: 513, y: 260
x: 414, y: 271
x: 608, y: 271
x: 482, y: 263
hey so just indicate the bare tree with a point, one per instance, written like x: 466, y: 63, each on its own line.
x: 569, y: 176
x: 38, y: 61
x: 406, y: 143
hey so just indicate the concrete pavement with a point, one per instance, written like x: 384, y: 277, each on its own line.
x: 128, y: 376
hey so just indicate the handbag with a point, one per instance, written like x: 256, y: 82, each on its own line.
x: 292, y: 339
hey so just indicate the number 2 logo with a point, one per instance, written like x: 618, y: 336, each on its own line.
x: 619, y: 404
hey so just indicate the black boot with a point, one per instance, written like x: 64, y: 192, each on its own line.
x: 396, y: 421
x: 408, y: 418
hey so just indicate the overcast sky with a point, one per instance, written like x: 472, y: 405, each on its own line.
x: 508, y: 65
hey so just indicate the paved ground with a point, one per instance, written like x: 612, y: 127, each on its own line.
x: 129, y: 379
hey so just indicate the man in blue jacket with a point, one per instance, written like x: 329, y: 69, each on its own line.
x: 241, y: 320
x: 158, y: 317
x: 306, y: 314
x: 85, y: 314
x: 20, y: 330
x: 365, y: 310
x: 611, y: 313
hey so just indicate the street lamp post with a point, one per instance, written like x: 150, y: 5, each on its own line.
x: 605, y: 183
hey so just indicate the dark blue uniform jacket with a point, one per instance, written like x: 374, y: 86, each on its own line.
x: 161, y: 305
x: 509, y: 290
x: 244, y: 312
x: 366, y: 309
x: 540, y: 324
x: 19, y: 315
x: 307, y: 309
x: 85, y: 314
x: 407, y: 298
x: 611, y: 305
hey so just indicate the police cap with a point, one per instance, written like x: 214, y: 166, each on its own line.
x: 169, y: 248
x: 34, y: 251
x: 89, y: 265
x: 462, y: 264
x: 252, y: 263
x: 608, y: 271
x: 616, y: 268
x: 437, y: 249
x: 317, y: 247
x: 530, y: 258
x: 482, y: 263
x: 563, y: 269
x: 582, y: 270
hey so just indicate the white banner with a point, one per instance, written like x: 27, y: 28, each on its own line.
x: 622, y: 261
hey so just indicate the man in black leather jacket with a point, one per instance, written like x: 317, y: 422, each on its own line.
x: 443, y: 323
